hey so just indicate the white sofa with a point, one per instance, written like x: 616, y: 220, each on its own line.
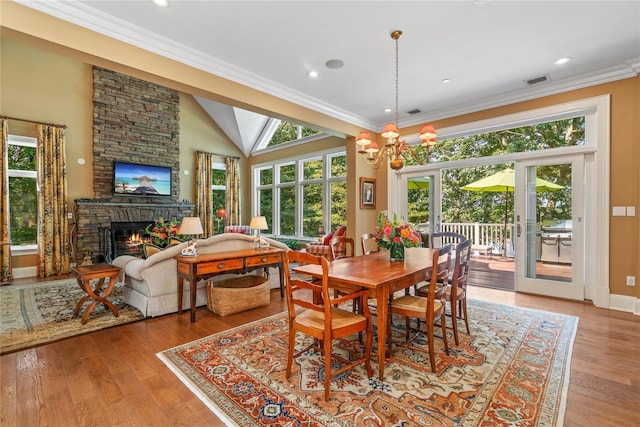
x: 151, y: 284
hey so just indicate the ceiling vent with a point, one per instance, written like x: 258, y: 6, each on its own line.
x: 537, y: 80
x: 415, y: 111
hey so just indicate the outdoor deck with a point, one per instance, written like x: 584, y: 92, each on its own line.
x: 499, y: 273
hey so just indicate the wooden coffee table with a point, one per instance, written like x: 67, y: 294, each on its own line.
x: 85, y: 274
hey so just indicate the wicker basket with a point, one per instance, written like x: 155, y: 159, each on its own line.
x: 237, y: 294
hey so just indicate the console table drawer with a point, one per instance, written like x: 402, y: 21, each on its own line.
x: 218, y: 266
x: 263, y: 260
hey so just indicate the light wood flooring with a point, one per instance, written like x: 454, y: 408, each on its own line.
x: 113, y: 377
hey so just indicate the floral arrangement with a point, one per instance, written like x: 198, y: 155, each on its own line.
x: 162, y: 231
x: 395, y: 235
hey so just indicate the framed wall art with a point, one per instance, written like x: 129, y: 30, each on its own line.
x: 367, y: 193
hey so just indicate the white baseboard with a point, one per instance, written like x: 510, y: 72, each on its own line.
x: 20, y: 273
x: 625, y: 303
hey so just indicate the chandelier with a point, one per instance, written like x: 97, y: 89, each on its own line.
x: 395, y: 149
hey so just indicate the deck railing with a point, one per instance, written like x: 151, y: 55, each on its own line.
x: 482, y: 234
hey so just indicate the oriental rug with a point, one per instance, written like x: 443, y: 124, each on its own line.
x: 40, y: 313
x: 512, y: 370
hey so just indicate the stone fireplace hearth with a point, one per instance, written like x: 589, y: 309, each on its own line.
x: 94, y: 218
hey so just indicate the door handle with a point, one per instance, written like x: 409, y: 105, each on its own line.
x: 519, y: 230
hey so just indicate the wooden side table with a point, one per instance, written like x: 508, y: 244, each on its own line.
x: 84, y: 274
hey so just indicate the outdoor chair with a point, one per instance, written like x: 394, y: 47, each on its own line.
x: 427, y: 308
x: 442, y: 238
x: 323, y: 320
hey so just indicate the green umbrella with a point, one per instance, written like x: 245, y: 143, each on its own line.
x: 419, y: 183
x: 504, y: 181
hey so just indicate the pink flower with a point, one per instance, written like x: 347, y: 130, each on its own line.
x: 386, y: 230
x: 396, y: 240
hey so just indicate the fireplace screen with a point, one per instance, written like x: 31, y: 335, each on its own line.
x: 127, y: 238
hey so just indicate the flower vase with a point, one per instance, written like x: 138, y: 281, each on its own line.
x: 396, y: 253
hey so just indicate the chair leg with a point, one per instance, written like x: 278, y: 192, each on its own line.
x: 327, y: 368
x: 432, y: 350
x: 464, y: 311
x: 292, y: 343
x: 443, y: 319
x: 454, y: 320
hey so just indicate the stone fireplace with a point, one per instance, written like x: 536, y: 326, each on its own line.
x: 133, y: 121
x: 96, y: 220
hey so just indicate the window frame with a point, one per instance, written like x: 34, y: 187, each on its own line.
x: 24, y: 141
x: 298, y: 183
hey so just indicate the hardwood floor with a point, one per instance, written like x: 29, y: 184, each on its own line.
x: 113, y: 377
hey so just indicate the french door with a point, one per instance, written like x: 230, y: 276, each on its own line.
x: 549, y: 230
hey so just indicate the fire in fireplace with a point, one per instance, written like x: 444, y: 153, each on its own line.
x: 128, y: 238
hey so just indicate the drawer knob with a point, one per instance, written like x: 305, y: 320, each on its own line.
x: 221, y: 265
x: 263, y: 260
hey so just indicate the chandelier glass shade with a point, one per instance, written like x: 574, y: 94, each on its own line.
x: 395, y: 149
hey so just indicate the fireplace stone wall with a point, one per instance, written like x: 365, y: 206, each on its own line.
x: 94, y: 220
x: 133, y: 121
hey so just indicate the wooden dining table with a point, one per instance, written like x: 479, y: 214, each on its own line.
x: 381, y: 277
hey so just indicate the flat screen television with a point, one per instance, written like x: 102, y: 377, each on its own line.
x: 141, y: 180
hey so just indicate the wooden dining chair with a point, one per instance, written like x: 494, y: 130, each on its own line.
x: 342, y: 247
x: 441, y: 238
x: 429, y: 308
x: 324, y: 322
x: 456, y: 288
x: 369, y: 244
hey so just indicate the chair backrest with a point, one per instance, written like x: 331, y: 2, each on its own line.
x: 342, y: 247
x: 439, y: 273
x: 318, y: 287
x: 460, y: 267
x: 441, y: 238
x: 369, y: 244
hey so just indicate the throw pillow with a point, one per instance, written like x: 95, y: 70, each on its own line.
x: 174, y: 241
x: 327, y: 239
x: 150, y: 249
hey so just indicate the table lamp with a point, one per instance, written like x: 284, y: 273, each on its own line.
x: 258, y: 223
x: 320, y: 232
x: 191, y: 226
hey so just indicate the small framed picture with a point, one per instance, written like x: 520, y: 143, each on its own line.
x: 367, y: 193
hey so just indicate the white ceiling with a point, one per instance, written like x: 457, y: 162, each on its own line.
x: 488, y: 49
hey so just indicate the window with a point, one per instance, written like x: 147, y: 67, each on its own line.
x: 287, y: 132
x: 23, y: 202
x: 297, y: 195
x: 218, y: 186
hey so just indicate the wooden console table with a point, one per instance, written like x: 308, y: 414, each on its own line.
x: 194, y: 268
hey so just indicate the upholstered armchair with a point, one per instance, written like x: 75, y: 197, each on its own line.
x: 323, y: 248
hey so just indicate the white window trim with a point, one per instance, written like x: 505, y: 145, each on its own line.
x: 597, y: 142
x: 298, y: 183
x: 24, y: 141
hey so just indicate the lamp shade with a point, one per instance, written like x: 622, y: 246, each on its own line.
x: 390, y: 131
x: 320, y: 230
x: 363, y: 139
x: 258, y: 223
x: 191, y: 226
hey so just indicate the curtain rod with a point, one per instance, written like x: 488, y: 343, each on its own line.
x: 33, y: 121
x: 219, y: 155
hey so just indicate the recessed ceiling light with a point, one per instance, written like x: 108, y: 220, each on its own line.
x: 387, y: 110
x: 562, y: 60
x: 446, y: 80
x: 312, y: 74
x: 161, y: 3
x: 334, y: 64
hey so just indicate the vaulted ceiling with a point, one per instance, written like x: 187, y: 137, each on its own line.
x: 490, y: 52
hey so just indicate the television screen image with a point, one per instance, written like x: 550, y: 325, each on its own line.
x: 141, y: 180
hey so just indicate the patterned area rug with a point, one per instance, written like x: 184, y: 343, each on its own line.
x: 40, y: 313
x: 512, y: 370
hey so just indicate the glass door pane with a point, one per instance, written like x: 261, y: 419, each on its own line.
x: 549, y: 228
